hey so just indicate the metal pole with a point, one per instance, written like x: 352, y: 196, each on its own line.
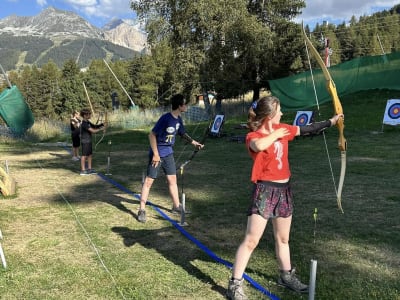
x: 183, y: 211
x: 380, y: 44
x: 109, y: 158
x: 133, y: 104
x: 3, y: 258
x: 313, y: 275
x: 183, y: 203
x: 6, y: 77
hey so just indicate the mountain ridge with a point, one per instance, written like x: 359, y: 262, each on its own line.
x: 56, y: 34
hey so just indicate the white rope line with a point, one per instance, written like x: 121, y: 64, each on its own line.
x: 319, y: 114
x: 86, y: 234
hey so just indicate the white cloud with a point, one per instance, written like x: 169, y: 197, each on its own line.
x: 41, y: 2
x: 101, y: 8
x: 342, y: 10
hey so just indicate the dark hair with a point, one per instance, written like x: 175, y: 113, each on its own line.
x: 261, y: 109
x: 85, y: 112
x: 177, y: 100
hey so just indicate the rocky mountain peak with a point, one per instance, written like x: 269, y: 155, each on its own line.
x: 50, y: 22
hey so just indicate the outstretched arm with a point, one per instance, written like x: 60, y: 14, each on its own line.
x: 317, y: 127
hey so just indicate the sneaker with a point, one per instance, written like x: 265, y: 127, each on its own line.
x: 177, y: 210
x: 141, y: 216
x: 84, y: 172
x: 289, y: 280
x: 92, y: 172
x: 75, y: 158
x: 235, y: 290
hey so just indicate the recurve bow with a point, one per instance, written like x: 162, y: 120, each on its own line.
x: 337, y: 106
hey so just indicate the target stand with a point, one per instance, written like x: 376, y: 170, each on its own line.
x: 108, y: 172
x: 182, y: 221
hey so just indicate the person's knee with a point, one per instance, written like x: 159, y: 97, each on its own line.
x: 148, y: 182
x: 282, y: 240
x: 251, y: 243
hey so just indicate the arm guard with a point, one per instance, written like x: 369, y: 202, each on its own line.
x: 314, y: 128
x: 187, y: 138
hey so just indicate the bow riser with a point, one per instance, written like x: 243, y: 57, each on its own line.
x: 337, y: 107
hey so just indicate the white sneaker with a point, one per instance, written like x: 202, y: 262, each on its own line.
x: 75, y: 158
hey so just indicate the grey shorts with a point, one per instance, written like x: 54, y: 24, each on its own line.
x: 271, y: 200
x: 167, y: 164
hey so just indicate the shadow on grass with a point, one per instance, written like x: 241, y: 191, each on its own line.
x: 162, y: 240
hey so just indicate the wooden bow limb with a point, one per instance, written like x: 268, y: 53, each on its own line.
x: 337, y: 106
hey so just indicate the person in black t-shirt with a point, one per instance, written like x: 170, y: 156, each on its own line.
x: 75, y: 124
x: 87, y: 128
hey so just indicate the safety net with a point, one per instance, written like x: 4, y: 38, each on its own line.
x: 15, y: 111
x: 364, y: 73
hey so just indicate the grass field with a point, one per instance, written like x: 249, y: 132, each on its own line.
x: 67, y: 236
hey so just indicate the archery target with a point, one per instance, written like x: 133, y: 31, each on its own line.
x: 217, y: 124
x: 303, y: 118
x: 392, y: 112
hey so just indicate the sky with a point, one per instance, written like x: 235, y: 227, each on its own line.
x: 100, y: 12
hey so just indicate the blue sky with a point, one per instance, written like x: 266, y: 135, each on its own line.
x: 100, y: 12
x: 97, y: 12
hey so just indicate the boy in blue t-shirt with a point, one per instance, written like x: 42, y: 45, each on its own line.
x: 162, y: 138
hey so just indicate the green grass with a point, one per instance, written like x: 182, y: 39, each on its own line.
x: 68, y: 237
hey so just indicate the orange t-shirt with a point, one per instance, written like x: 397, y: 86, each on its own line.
x: 271, y: 164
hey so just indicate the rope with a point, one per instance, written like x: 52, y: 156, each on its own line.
x: 206, y: 250
x: 85, y: 233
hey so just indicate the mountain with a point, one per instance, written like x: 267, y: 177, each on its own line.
x: 51, y: 22
x: 124, y: 34
x: 60, y: 35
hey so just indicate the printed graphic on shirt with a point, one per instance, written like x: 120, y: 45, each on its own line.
x: 278, y: 150
x: 171, y: 133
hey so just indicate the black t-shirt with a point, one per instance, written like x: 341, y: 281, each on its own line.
x: 86, y: 135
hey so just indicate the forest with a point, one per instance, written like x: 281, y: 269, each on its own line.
x: 228, y: 47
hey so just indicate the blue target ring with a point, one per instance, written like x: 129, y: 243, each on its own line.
x: 394, y: 111
x: 302, y: 120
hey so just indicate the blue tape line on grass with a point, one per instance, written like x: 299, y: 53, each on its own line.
x: 254, y: 283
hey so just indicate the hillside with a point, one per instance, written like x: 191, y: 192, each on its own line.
x: 60, y: 35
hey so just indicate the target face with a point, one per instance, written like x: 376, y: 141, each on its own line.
x: 217, y: 123
x: 303, y: 118
x: 394, y: 111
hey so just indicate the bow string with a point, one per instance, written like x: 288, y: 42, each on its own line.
x: 337, y: 106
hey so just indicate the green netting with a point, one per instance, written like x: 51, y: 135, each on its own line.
x: 14, y: 111
x: 363, y: 73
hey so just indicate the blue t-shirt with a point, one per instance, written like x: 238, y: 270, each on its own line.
x: 165, y: 130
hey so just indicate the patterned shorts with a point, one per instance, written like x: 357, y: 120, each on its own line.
x: 271, y: 200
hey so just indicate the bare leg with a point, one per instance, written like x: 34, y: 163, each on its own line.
x: 255, y: 229
x: 89, y: 162
x: 281, y: 234
x: 148, y: 182
x: 83, y: 160
x: 173, y: 189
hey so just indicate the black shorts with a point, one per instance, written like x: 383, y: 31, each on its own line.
x: 76, y: 140
x: 86, y: 149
